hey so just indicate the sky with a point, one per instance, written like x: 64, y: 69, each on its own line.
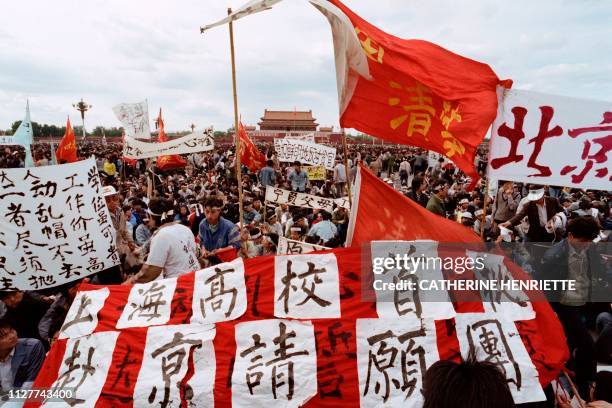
x: 114, y: 51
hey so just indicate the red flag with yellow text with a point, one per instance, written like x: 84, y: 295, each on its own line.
x: 169, y: 161
x: 250, y: 156
x: 67, y: 151
x: 417, y: 93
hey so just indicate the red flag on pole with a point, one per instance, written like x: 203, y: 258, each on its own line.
x: 250, y: 156
x: 170, y: 161
x: 411, y: 92
x: 67, y: 151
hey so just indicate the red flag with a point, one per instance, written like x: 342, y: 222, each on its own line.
x: 170, y: 161
x: 250, y: 156
x: 417, y: 93
x: 382, y: 213
x: 67, y: 151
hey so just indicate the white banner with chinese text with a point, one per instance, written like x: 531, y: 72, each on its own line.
x: 280, y: 196
x: 198, y: 141
x: 548, y: 139
x: 289, y: 150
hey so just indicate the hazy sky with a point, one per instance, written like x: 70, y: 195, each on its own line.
x: 115, y: 51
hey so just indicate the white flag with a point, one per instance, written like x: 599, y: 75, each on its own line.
x: 135, y: 119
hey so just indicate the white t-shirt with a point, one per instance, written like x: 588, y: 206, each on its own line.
x: 173, y: 248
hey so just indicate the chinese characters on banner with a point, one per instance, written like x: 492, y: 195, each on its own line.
x: 198, y: 141
x: 496, y: 340
x: 308, y: 137
x: 316, y: 173
x: 532, y: 128
x: 392, y: 357
x: 280, y: 196
x: 135, y: 119
x: 306, y: 153
x: 276, y: 363
x: 149, y: 304
x: 82, y: 318
x: 54, y: 226
x: 291, y: 247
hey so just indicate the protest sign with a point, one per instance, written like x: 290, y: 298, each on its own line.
x: 306, y: 153
x: 54, y: 226
x: 135, y: 119
x: 330, y: 356
x: 280, y: 196
x: 198, y: 141
x: 290, y: 246
x: 531, y: 129
x: 316, y: 173
x: 309, y: 137
x: 343, y: 202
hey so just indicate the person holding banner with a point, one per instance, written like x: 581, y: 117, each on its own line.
x: 217, y: 233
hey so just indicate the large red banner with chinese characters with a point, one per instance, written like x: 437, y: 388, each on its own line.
x: 554, y: 140
x: 148, y: 345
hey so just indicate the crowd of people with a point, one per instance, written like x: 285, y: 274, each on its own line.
x: 172, y: 222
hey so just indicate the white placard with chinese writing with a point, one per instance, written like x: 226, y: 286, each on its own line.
x: 198, y: 141
x: 308, y: 137
x: 276, y: 364
x: 169, y: 352
x: 306, y: 153
x: 149, y: 304
x: 290, y: 247
x: 280, y: 196
x: 514, y: 304
x: 54, y: 226
x: 495, y: 339
x: 548, y: 139
x: 306, y: 286
x: 422, y: 265
x: 135, y: 119
x: 219, y: 293
x: 392, y: 357
x: 84, y: 369
x: 82, y: 318
x: 343, y: 202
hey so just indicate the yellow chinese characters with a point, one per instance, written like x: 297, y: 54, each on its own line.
x: 419, y: 109
x: 449, y: 115
x: 372, y: 50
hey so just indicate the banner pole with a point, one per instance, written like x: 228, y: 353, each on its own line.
x: 484, y: 210
x: 237, y: 138
x: 346, y: 168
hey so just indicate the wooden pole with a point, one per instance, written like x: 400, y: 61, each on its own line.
x: 484, y: 210
x: 346, y: 167
x: 238, y: 169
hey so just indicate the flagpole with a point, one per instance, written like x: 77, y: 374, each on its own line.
x: 346, y: 168
x: 484, y: 210
x: 238, y: 169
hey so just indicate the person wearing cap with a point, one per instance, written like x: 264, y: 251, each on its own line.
x: 173, y: 249
x: 461, y: 209
x: 436, y: 201
x: 217, y: 233
x: 467, y: 219
x: 123, y: 239
x: 538, y: 210
x: 298, y: 178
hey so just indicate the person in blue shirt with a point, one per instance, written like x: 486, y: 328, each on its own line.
x: 298, y: 178
x: 215, y: 232
x: 267, y: 175
x: 251, y: 215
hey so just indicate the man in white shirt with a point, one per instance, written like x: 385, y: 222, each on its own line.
x: 173, y: 250
x: 325, y: 229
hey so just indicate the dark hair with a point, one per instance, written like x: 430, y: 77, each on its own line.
x: 326, y: 215
x: 160, y: 206
x: 269, y: 163
x: 583, y: 227
x: 469, y: 384
x: 213, y: 202
x: 417, y: 182
x: 603, y: 386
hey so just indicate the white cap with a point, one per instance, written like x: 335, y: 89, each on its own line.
x: 478, y: 213
x: 535, y: 195
x: 467, y: 214
x: 464, y: 201
x: 108, y: 191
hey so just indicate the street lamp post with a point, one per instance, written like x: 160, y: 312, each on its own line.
x: 82, y: 107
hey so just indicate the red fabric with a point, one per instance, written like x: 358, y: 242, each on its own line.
x: 250, y: 156
x: 170, y: 161
x: 227, y: 254
x: 416, y: 82
x: 383, y: 213
x: 67, y: 150
x: 336, y: 358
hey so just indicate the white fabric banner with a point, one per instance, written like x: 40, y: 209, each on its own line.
x: 251, y: 7
x: 54, y: 226
x: 495, y: 339
x: 290, y: 247
x: 198, y: 141
x: 275, y: 365
x: 406, y: 348
x: 280, y: 196
x: 135, y: 119
x: 549, y: 139
x: 306, y: 153
x: 8, y: 140
x: 308, y: 137
x: 343, y: 202
x: 149, y: 304
x: 82, y: 317
x: 306, y: 287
